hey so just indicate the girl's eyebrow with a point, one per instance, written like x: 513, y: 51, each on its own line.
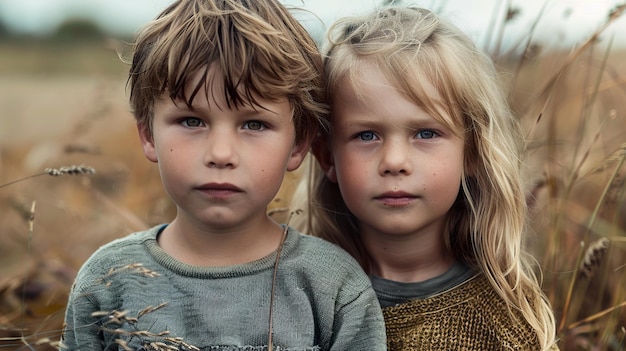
x: 420, y: 120
x: 361, y: 122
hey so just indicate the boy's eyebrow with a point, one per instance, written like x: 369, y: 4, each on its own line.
x: 248, y: 111
x: 179, y: 104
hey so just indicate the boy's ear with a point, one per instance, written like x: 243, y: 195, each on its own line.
x: 147, y: 142
x: 298, y: 152
x: 324, y: 158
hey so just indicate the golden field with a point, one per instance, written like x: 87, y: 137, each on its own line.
x: 67, y: 105
x: 62, y: 106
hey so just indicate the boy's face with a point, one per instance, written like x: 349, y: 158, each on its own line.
x: 399, y: 168
x: 220, y: 165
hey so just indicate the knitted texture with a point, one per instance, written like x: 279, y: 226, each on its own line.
x: 131, y: 293
x: 470, y: 316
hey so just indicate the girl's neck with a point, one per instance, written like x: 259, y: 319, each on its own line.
x: 407, y: 258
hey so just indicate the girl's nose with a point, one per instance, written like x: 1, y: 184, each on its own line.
x: 395, y: 158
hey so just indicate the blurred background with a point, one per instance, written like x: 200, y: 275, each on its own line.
x: 63, y: 102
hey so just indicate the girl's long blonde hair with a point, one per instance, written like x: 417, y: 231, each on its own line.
x: 486, y: 224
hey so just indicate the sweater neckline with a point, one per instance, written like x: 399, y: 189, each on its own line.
x: 393, y: 292
x: 476, y: 286
x: 212, y: 272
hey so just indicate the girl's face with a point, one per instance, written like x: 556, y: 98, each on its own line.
x: 398, y: 168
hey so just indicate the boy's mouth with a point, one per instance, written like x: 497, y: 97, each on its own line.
x: 219, y: 189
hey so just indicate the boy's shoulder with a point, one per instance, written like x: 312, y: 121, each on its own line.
x: 318, y: 254
x: 129, y: 243
x: 119, y: 252
x: 317, y: 246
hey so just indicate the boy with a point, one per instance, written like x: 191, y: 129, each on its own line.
x: 227, y: 95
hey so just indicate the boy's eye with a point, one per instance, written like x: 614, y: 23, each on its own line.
x: 367, y: 136
x: 253, y: 125
x: 426, y: 134
x: 192, y: 122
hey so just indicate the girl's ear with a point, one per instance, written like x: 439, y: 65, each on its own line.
x: 324, y: 157
x: 147, y: 142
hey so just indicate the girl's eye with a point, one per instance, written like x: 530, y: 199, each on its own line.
x: 192, y: 122
x: 253, y: 125
x: 367, y: 136
x: 426, y: 134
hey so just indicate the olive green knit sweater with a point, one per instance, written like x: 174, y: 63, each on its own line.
x: 470, y: 316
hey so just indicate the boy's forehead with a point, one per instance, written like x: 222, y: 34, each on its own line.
x: 210, y: 77
x: 209, y: 83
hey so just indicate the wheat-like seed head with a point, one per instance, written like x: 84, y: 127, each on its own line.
x: 593, y: 257
x: 157, y: 341
x: 72, y: 170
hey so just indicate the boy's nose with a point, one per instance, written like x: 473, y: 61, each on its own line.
x: 395, y: 159
x: 221, y: 151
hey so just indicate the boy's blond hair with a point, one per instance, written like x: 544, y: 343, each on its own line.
x: 261, y: 50
x: 485, y: 226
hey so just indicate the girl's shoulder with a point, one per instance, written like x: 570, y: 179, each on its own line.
x: 478, y: 293
x: 475, y: 298
x: 472, y: 311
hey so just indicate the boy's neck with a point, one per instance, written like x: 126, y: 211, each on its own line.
x: 199, y: 247
x: 408, y: 258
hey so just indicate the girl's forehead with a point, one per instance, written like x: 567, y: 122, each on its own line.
x: 410, y: 80
x: 413, y: 83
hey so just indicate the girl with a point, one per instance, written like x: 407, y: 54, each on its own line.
x: 420, y: 181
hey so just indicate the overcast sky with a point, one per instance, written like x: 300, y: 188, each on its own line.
x: 561, y: 22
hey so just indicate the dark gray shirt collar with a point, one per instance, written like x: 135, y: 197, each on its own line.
x: 391, y: 293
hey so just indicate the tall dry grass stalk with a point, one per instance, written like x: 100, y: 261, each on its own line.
x: 55, y: 172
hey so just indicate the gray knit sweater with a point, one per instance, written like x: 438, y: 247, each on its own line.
x: 130, y: 293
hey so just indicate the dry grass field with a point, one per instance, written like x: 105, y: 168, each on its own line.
x: 64, y: 106
x: 67, y: 105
